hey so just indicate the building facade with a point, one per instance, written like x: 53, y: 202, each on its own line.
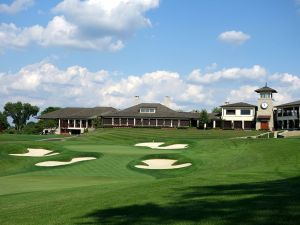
x: 148, y: 115
x: 239, y: 115
x: 265, y: 109
x: 76, y: 120
x: 288, y: 116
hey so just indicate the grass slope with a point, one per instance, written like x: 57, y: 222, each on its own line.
x: 232, y: 181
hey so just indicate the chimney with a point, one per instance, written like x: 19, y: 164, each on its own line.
x: 167, y: 101
x: 136, y: 100
x: 226, y: 103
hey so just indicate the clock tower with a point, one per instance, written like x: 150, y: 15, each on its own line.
x: 265, y: 115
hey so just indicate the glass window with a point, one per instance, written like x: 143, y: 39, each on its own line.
x: 147, y: 110
x: 230, y: 111
x: 245, y: 112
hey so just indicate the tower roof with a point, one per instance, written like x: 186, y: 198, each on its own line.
x: 266, y: 89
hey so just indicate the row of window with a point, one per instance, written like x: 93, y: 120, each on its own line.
x: 244, y: 112
x: 147, y: 110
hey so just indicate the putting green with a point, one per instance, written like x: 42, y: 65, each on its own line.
x: 230, y: 181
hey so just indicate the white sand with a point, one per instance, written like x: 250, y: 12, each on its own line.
x: 33, y: 152
x: 58, y: 163
x: 161, y: 164
x: 155, y: 145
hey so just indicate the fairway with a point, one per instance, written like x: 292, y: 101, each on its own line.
x: 229, y: 181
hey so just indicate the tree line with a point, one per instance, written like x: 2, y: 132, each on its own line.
x: 20, y: 113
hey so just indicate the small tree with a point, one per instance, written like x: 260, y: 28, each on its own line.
x: 20, y: 113
x: 203, y: 117
x: 217, y: 110
x: 48, y: 123
x: 3, y: 122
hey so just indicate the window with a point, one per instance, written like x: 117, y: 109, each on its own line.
x: 147, y: 110
x: 230, y: 111
x: 265, y: 95
x: 245, y: 112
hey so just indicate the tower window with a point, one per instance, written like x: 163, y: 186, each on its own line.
x: 265, y: 95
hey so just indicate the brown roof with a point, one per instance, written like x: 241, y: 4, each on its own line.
x: 266, y: 89
x: 239, y: 104
x: 161, y: 111
x: 296, y: 103
x: 77, y: 113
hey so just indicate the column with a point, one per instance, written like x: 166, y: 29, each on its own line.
x: 179, y: 125
x: 287, y: 124
x: 156, y: 124
x: 68, y: 123
x: 214, y: 124
x: 142, y: 121
x: 134, y: 122
x: 127, y: 122
x: 198, y: 123
x: 171, y: 123
x: 59, y: 124
x: 205, y: 126
x: 243, y: 124
x: 80, y: 123
x: 112, y: 121
x: 74, y: 123
x: 232, y: 124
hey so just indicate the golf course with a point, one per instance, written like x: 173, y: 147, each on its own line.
x: 214, y: 177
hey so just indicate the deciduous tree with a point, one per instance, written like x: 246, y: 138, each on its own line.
x: 20, y: 113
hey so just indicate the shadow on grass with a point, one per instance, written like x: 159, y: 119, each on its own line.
x: 275, y: 202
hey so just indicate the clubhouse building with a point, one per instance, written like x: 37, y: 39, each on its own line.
x: 241, y: 115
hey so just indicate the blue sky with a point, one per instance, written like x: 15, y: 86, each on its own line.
x: 97, y: 52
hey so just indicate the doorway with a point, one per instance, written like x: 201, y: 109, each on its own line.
x: 264, y: 125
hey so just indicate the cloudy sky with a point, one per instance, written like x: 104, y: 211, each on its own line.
x: 102, y: 53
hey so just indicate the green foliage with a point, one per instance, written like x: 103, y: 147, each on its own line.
x: 3, y: 122
x: 50, y: 109
x: 20, y: 113
x: 203, y: 117
x: 217, y: 110
x: 98, y: 122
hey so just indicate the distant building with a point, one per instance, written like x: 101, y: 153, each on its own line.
x: 265, y: 109
x: 263, y: 116
x: 148, y: 115
x: 76, y: 120
x: 239, y: 115
x: 288, y: 116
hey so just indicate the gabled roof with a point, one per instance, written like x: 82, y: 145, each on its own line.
x: 296, y: 103
x: 238, y: 104
x: 161, y: 111
x: 266, y: 89
x: 77, y: 113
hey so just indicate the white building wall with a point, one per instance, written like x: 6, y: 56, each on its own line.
x: 238, y: 116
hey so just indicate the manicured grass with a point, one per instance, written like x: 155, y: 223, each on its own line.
x: 231, y: 181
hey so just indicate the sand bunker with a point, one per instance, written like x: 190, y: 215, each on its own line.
x: 155, y: 145
x: 58, y: 163
x: 161, y: 164
x: 33, y: 152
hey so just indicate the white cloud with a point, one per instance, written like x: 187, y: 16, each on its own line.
x: 45, y: 84
x: 77, y: 86
x: 253, y: 73
x: 16, y: 6
x: 92, y: 24
x: 243, y: 94
x: 234, y: 37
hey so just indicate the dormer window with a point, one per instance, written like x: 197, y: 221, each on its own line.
x: 147, y: 110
